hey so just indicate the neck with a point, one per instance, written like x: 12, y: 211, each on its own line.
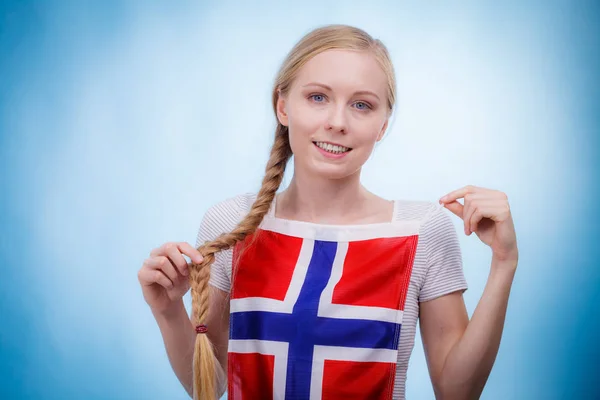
x: 326, y: 201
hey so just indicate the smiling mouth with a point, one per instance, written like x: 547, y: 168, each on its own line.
x: 332, y: 148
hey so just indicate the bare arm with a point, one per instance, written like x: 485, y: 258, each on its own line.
x: 460, y: 354
x: 179, y: 335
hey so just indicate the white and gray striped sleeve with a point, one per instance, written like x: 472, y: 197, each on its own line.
x: 220, y: 218
x: 444, y: 273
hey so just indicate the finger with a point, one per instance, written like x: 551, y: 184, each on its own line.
x: 476, y: 216
x: 456, y: 194
x: 470, y: 207
x: 149, y: 277
x: 455, y: 208
x: 173, y: 253
x: 159, y: 251
x: 183, y: 247
x: 191, y: 252
x: 495, y: 209
x: 163, y: 264
x: 459, y: 193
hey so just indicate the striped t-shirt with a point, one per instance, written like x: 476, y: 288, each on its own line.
x: 436, y: 271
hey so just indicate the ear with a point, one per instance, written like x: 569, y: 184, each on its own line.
x: 383, y: 129
x: 281, y: 110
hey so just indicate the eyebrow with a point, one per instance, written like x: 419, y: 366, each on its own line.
x: 328, y: 88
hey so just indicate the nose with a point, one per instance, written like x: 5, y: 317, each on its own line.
x: 336, y: 120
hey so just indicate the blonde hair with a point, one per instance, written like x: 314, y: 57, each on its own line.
x: 317, y: 41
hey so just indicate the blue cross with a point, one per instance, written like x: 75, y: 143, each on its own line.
x: 303, y: 329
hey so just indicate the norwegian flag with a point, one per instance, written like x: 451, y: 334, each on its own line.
x: 316, y: 313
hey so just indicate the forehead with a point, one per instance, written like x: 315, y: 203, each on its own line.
x: 345, y: 69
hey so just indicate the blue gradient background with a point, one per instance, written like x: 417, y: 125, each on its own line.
x: 122, y: 122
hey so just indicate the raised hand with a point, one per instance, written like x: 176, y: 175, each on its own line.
x: 486, y: 213
x: 164, y: 276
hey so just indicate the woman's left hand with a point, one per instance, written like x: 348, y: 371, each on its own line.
x: 487, y: 213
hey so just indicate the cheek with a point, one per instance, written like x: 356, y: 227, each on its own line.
x: 305, y: 121
x: 368, y: 130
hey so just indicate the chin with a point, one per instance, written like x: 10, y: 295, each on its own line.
x: 331, y: 170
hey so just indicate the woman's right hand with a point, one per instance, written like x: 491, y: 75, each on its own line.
x: 164, y: 275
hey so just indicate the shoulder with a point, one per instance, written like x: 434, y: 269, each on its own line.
x: 223, y: 216
x: 435, y: 221
x: 410, y: 210
x: 231, y: 208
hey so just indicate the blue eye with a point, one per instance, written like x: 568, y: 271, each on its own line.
x: 361, y: 105
x: 317, y: 97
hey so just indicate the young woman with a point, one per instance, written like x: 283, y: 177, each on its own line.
x: 314, y: 291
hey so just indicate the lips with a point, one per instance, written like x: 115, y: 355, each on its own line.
x: 333, y: 148
x: 331, y: 152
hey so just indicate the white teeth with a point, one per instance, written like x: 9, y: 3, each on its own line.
x: 332, y: 148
